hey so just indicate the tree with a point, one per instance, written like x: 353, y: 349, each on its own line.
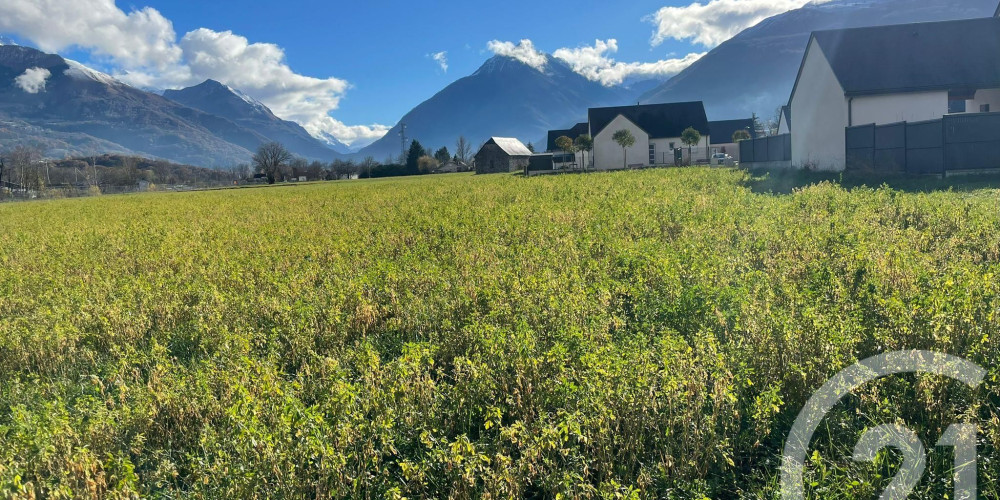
x: 130, y: 171
x: 270, y: 158
x: 316, y: 171
x: 442, y: 156
x: 462, y: 150
x: 24, y: 161
x: 368, y: 164
x: 625, y: 139
x: 564, y: 143
x: 584, y: 143
x: 531, y: 147
x: 690, y: 137
x: 427, y: 164
x: 741, y: 135
x: 413, y: 158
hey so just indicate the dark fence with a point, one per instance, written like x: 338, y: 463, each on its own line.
x: 967, y: 142
x: 776, y: 148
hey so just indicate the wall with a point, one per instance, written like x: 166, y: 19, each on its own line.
x: 988, y: 96
x: 819, y: 112
x: 609, y: 155
x: 895, y: 108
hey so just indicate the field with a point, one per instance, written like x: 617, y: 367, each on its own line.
x: 624, y: 335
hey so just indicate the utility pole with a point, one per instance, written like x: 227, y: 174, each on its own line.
x: 402, y: 143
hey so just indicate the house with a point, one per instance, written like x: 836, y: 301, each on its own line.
x: 560, y: 158
x: 889, y: 74
x: 502, y: 154
x: 722, y: 132
x: 657, y: 129
x: 785, y: 120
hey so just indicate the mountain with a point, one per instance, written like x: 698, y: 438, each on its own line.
x: 754, y: 71
x: 504, y: 97
x: 71, y: 104
x: 221, y: 100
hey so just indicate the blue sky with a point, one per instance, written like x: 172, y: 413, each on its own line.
x: 350, y: 70
x: 382, y: 47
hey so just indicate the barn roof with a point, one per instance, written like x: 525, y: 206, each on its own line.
x: 658, y: 120
x: 948, y: 55
x: 509, y: 145
x: 577, y: 130
x: 722, y: 131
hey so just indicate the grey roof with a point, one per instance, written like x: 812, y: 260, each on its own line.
x: 722, y: 131
x: 658, y: 120
x: 949, y: 55
x: 509, y: 145
x: 577, y: 130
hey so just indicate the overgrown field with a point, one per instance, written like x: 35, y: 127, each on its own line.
x: 625, y: 335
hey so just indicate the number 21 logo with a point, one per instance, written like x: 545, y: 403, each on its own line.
x: 962, y: 437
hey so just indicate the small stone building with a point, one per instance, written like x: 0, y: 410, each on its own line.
x: 502, y: 154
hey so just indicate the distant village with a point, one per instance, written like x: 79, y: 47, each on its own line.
x: 907, y: 98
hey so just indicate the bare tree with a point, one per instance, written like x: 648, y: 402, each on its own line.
x: 130, y: 171
x: 368, y: 164
x: 463, y: 149
x: 270, y: 158
x: 26, y: 163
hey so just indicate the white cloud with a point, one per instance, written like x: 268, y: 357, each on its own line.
x: 348, y: 134
x: 33, y: 80
x: 144, y: 50
x: 523, y: 51
x: 715, y: 22
x: 595, y: 64
x: 441, y: 58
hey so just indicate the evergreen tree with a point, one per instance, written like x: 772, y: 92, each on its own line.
x: 413, y: 158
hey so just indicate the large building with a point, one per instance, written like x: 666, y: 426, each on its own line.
x: 502, y: 154
x: 657, y: 129
x: 889, y: 74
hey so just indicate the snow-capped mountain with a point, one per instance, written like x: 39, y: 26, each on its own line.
x: 222, y: 100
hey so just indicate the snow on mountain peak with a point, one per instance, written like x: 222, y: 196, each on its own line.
x: 78, y: 71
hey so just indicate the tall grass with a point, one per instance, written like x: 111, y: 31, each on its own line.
x: 620, y: 335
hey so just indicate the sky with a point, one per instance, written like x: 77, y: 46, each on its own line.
x: 351, y: 70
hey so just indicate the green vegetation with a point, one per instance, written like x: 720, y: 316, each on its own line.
x: 615, y: 335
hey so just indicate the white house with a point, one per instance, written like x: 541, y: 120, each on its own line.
x: 657, y: 129
x: 889, y: 74
x: 785, y: 121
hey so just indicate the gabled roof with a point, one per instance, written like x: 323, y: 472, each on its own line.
x: 658, y: 120
x: 577, y: 130
x: 511, y: 146
x: 949, y: 55
x: 722, y: 131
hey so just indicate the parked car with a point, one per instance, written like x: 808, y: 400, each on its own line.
x: 722, y: 159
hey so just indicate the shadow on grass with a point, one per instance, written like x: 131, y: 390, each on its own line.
x: 786, y: 181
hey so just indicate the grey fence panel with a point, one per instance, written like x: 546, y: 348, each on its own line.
x: 925, y: 147
x: 862, y: 137
x: 776, y: 148
x: 746, y: 152
x: 972, y: 155
x: 979, y: 127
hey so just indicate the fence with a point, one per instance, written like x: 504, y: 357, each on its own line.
x: 773, y: 151
x: 964, y: 142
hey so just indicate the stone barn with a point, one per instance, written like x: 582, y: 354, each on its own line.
x: 502, y: 154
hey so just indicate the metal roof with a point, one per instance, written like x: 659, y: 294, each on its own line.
x: 949, y: 55
x: 509, y: 145
x: 660, y: 121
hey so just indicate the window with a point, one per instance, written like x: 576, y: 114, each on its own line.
x: 985, y: 108
x: 956, y: 106
x: 652, y: 153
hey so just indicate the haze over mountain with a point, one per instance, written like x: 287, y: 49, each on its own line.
x: 754, y: 71
x: 504, y: 97
x: 221, y: 100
